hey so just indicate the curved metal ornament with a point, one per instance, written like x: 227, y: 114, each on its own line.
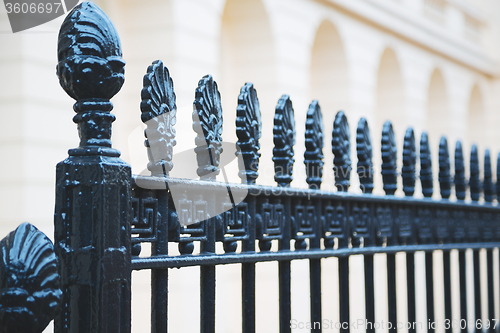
x: 426, y: 178
x: 207, y: 123
x: 409, y: 163
x: 460, y: 183
x: 248, y: 130
x: 444, y: 175
x: 389, y: 159
x: 313, y: 156
x: 489, y: 191
x: 29, y: 281
x: 474, y: 182
x: 364, y: 152
x: 159, y: 114
x: 284, y: 140
x: 341, y: 148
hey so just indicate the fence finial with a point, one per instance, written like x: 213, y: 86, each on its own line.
x: 207, y: 123
x: 284, y: 140
x: 489, y: 191
x: 365, y: 153
x: 159, y: 114
x: 460, y: 183
x: 313, y: 156
x: 409, y: 162
x: 444, y: 175
x: 474, y: 182
x: 389, y: 159
x: 341, y: 148
x: 29, y: 281
x: 426, y: 178
x: 91, y: 71
x: 248, y: 130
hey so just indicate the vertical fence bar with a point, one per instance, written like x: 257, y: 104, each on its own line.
x: 313, y: 160
x: 447, y: 288
x: 160, y: 139
x: 491, y: 289
x: 391, y: 288
x: 429, y: 285
x: 369, y: 293
x: 284, y: 274
x: 410, y: 285
x: 159, y: 277
x: 207, y: 123
x: 477, y: 287
x: 283, y: 157
x: 248, y: 273
x: 463, y: 288
x: 344, y: 293
x: 207, y: 282
x: 341, y: 148
x: 248, y: 130
x: 315, y: 275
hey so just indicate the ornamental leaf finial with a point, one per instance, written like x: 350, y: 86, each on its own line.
x: 284, y: 140
x: 489, y: 191
x: 426, y: 178
x: 474, y: 182
x: 30, y: 291
x: 159, y: 114
x: 460, y: 183
x: 389, y: 159
x: 444, y: 175
x: 409, y: 162
x: 364, y: 152
x: 341, y: 148
x: 313, y: 156
x: 91, y: 71
x: 207, y: 123
x: 248, y: 130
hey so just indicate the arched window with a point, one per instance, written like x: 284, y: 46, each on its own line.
x: 329, y: 85
x: 390, y: 95
x: 247, y: 55
x: 438, y: 114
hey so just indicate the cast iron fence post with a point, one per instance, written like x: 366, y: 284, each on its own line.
x: 93, y: 196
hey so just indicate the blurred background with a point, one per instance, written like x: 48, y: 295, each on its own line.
x: 429, y: 64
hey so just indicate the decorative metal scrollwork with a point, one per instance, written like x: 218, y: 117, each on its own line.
x: 489, y: 191
x: 207, y: 123
x: 409, y: 162
x: 426, y: 178
x: 29, y: 281
x: 444, y: 168
x: 364, y: 151
x: 460, y: 183
x: 313, y: 156
x: 474, y: 182
x: 341, y: 148
x: 284, y: 140
x: 389, y: 159
x: 159, y: 114
x: 248, y: 130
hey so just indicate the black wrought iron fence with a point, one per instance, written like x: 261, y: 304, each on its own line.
x: 104, y: 213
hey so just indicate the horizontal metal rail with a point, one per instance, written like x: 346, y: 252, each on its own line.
x: 164, y: 262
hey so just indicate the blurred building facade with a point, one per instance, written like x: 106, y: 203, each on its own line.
x: 429, y: 64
